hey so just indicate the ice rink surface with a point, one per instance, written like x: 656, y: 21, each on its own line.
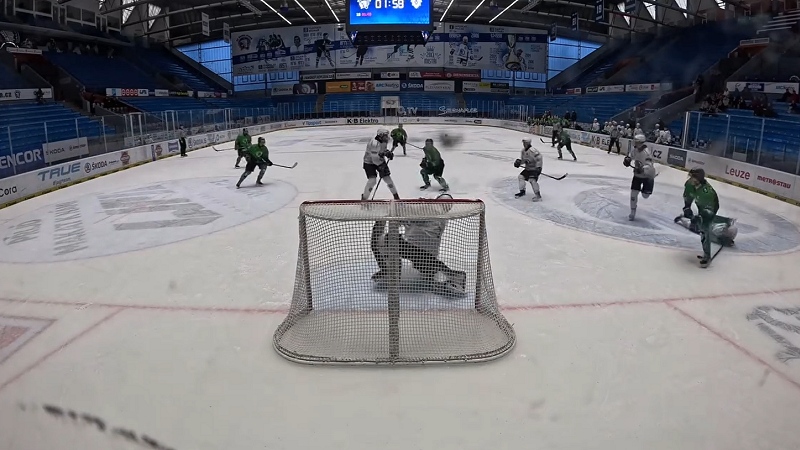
x: 126, y: 328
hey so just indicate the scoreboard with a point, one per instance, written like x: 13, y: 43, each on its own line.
x: 384, y: 15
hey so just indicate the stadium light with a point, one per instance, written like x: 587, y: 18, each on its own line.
x: 334, y: 13
x: 503, y: 11
x: 276, y: 12
x: 476, y: 8
x: 305, y: 11
x: 445, y: 10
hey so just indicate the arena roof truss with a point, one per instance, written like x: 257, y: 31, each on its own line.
x: 179, y: 21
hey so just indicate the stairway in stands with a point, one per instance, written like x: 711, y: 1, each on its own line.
x: 782, y: 22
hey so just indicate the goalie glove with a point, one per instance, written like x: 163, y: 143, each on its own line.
x: 517, y: 163
x: 627, y: 161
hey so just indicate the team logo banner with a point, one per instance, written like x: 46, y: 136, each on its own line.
x: 459, y: 47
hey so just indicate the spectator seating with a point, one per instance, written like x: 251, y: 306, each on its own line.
x: 338, y: 103
x: 12, y: 80
x: 597, y: 72
x: 167, y: 63
x: 99, y: 72
x: 587, y: 107
x: 672, y: 63
x: 153, y: 104
x: 427, y: 101
x: 25, y: 121
x: 744, y: 131
x: 485, y: 103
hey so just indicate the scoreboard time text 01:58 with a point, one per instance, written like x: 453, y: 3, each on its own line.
x: 388, y: 14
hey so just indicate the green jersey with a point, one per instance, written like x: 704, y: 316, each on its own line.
x: 258, y: 153
x: 432, y: 155
x: 704, y: 196
x: 565, y: 137
x: 243, y: 141
x: 399, y: 134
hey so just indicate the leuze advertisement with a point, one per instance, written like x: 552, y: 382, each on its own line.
x: 459, y: 46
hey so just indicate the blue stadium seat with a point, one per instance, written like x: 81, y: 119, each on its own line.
x: 167, y: 63
x: 344, y: 103
x: 31, y: 124
x: 99, y: 72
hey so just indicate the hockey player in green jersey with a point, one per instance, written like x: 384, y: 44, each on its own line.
x: 256, y: 155
x: 710, y: 226
x: 242, y: 143
x: 564, y: 140
x: 432, y: 164
x: 399, y: 136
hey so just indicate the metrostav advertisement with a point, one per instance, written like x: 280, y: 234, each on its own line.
x: 456, y: 46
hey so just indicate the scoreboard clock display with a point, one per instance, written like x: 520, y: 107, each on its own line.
x: 376, y: 15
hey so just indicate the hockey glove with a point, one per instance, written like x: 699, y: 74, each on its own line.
x: 517, y: 163
x: 687, y: 212
x: 389, y: 156
x: 269, y: 163
x: 638, y: 168
x: 424, y: 163
x: 627, y: 161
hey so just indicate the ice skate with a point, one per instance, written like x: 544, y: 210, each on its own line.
x: 704, y: 261
x: 632, y: 215
x: 520, y: 194
x: 444, y: 189
x: 450, y: 284
x: 560, y: 157
x: 258, y: 183
x: 537, y: 198
x: 424, y: 187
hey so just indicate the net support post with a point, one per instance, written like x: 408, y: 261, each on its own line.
x: 393, y: 294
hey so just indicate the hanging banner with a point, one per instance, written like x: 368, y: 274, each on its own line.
x: 226, y: 32
x: 323, y: 47
x: 205, y: 24
x: 574, y: 22
x: 599, y: 11
x: 553, y: 32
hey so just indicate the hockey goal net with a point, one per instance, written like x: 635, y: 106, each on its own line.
x: 406, y: 281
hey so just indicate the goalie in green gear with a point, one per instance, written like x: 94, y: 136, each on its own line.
x: 399, y: 136
x: 711, y: 227
x: 432, y: 164
x: 242, y: 143
x: 256, y: 155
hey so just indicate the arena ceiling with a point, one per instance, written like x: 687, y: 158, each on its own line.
x: 179, y: 20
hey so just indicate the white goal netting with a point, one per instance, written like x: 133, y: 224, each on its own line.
x: 404, y: 281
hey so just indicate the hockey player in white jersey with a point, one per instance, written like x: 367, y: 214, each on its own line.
x: 638, y: 130
x: 419, y: 243
x: 531, y: 160
x: 375, y: 164
x: 644, y: 173
x: 461, y: 52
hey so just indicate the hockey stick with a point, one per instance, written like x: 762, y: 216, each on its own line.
x: 374, y: 191
x: 408, y: 143
x: 556, y: 178
x: 285, y: 167
x: 712, y: 256
x: 543, y: 141
x: 218, y: 150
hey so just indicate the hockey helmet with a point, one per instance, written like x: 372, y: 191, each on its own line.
x: 400, y: 125
x: 245, y: 132
x: 526, y: 142
x: 639, y: 139
x: 698, y: 174
x: 382, y: 131
x: 429, y: 141
x: 262, y: 141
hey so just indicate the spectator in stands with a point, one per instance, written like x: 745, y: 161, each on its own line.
x: 39, y: 96
x: 785, y: 98
x: 595, y: 126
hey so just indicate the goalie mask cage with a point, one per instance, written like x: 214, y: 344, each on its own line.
x: 431, y: 299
